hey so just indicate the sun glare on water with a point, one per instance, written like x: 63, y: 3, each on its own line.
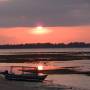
x: 39, y: 30
x: 40, y: 67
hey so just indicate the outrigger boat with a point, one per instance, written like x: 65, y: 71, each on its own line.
x: 31, y: 74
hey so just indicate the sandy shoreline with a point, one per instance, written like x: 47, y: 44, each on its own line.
x: 20, y: 85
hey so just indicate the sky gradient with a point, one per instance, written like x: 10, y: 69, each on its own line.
x: 67, y: 21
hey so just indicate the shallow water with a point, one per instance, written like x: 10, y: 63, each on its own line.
x: 79, y: 81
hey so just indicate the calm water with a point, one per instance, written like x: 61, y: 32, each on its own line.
x: 46, y: 50
x: 81, y: 81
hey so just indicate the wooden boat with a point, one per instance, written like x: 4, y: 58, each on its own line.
x: 32, y: 75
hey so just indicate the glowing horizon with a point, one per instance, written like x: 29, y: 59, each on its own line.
x: 21, y: 35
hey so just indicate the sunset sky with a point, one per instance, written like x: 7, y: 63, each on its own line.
x: 41, y: 21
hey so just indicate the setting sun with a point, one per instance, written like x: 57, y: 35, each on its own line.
x: 39, y: 30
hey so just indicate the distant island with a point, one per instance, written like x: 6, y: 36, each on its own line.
x: 46, y: 45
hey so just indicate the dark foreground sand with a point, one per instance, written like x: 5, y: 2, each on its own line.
x: 18, y: 85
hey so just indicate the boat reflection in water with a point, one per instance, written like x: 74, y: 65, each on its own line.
x: 28, y: 74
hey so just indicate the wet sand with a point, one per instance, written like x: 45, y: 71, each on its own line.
x: 41, y: 56
x: 20, y: 85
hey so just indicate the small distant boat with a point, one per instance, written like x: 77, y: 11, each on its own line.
x: 32, y: 75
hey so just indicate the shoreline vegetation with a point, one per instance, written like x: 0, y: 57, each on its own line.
x: 44, y: 56
x: 46, y: 45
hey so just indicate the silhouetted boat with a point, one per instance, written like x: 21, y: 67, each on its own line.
x: 32, y: 76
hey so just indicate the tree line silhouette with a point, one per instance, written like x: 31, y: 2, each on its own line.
x: 46, y: 45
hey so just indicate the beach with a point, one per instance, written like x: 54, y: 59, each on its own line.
x: 46, y: 85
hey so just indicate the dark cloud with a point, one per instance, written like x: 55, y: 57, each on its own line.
x: 51, y: 12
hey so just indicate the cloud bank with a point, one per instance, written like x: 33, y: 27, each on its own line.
x: 26, y: 13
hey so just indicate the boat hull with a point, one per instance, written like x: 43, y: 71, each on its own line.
x: 32, y: 78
